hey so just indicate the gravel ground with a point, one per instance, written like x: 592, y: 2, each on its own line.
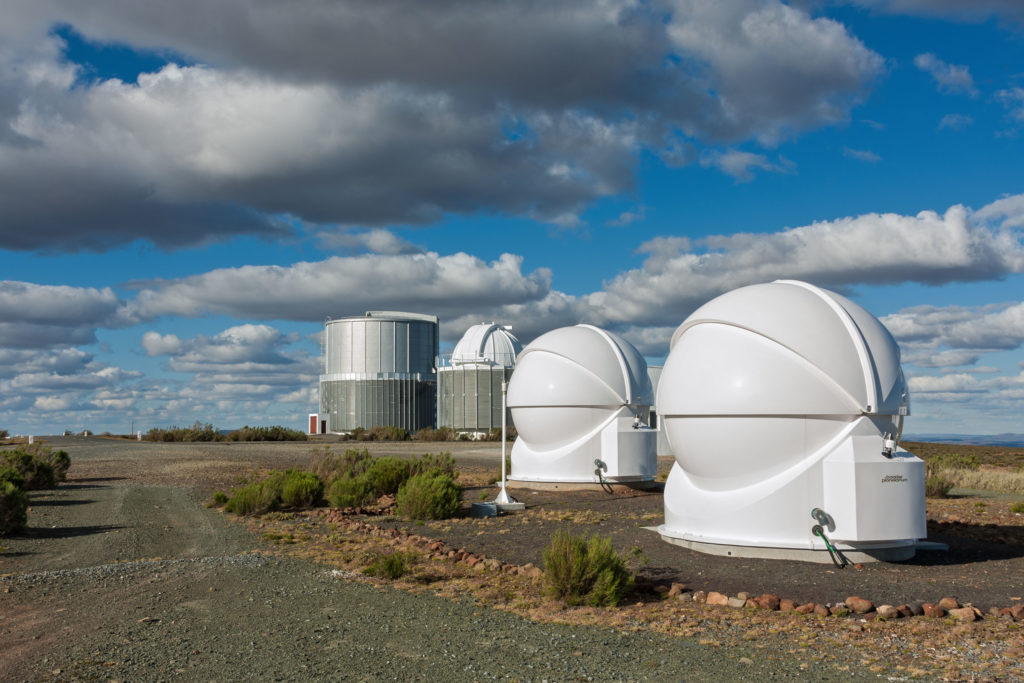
x: 125, y: 574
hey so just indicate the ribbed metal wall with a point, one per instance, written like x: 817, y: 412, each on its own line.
x: 379, y: 370
x: 470, y: 397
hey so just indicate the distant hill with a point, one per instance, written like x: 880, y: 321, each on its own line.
x: 1007, y: 440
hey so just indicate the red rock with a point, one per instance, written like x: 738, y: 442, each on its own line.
x: 786, y: 605
x: 821, y: 611
x: 1017, y: 612
x: 716, y: 598
x: 963, y: 613
x: 472, y: 560
x: 676, y: 589
x: 933, y: 611
x: 859, y: 605
x: 768, y: 601
x: 806, y: 609
x: 905, y: 611
x: 949, y: 604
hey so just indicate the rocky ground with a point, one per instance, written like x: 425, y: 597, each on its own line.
x: 125, y: 574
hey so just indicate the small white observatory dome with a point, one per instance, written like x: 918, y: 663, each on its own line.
x: 780, y: 400
x: 579, y: 397
x: 488, y: 344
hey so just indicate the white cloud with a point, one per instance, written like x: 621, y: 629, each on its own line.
x: 369, y: 116
x: 955, y: 121
x: 444, y: 285
x: 861, y: 155
x: 34, y: 316
x: 376, y: 241
x: 1013, y: 100
x: 739, y: 164
x: 950, y: 78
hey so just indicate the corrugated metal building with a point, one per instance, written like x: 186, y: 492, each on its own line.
x: 469, y: 381
x: 380, y: 370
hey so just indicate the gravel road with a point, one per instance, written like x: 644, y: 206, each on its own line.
x: 124, y: 576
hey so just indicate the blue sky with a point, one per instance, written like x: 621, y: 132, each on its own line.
x: 188, y: 190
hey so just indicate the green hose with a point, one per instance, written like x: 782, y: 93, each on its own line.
x: 832, y: 551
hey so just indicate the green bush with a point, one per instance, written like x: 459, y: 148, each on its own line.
x: 429, y: 496
x: 348, y: 491
x: 937, y: 486
x: 251, y: 499
x: 220, y: 498
x: 13, y: 508
x: 274, y: 433
x: 297, y: 488
x: 197, y: 432
x: 4, y: 434
x: 432, y: 464
x: 1017, y: 508
x: 387, y: 475
x: 60, y: 461
x: 8, y: 473
x: 391, y: 566
x: 36, y: 472
x: 329, y: 466
x: 951, y: 461
x: 585, y: 570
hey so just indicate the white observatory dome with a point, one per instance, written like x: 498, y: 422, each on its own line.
x: 573, y: 389
x: 488, y: 344
x: 779, y: 399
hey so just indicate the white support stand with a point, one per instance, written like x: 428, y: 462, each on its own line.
x: 505, y: 502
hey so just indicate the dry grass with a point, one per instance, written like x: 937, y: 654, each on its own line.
x: 998, y: 480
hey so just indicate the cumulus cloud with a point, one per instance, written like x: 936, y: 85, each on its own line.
x: 370, y: 114
x: 34, y: 316
x: 929, y: 248
x: 1013, y: 100
x: 950, y: 78
x: 376, y: 241
x: 444, y: 285
x: 990, y: 328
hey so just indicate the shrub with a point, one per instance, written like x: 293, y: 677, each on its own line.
x: 349, y: 491
x: 329, y: 467
x: 387, y: 475
x: 293, y: 488
x: 13, y: 508
x: 8, y: 473
x: 4, y: 434
x: 391, y: 566
x: 433, y: 464
x: 60, y: 462
x: 1017, y: 508
x: 274, y: 433
x: 429, y: 496
x: 431, y: 434
x: 582, y: 569
x: 251, y: 499
x: 937, y: 486
x: 197, y: 432
x: 220, y: 498
x: 951, y: 461
x: 36, y: 472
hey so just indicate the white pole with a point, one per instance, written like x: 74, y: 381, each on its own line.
x: 505, y: 501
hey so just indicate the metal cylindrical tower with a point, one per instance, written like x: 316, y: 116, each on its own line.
x: 380, y: 370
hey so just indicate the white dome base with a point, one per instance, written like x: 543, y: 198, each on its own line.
x: 865, y: 552
x: 630, y: 455
x: 874, y: 503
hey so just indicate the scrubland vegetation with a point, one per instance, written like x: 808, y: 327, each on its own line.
x: 209, y: 433
x: 22, y: 469
x: 984, y: 468
x: 423, y: 487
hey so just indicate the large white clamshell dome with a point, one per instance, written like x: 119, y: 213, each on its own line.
x: 776, y: 399
x: 488, y: 343
x: 569, y: 385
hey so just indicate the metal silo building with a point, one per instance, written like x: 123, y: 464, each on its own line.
x: 469, y: 381
x: 380, y: 370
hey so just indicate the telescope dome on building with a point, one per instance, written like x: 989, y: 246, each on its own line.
x: 784, y: 405
x: 470, y: 379
x: 581, y: 397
